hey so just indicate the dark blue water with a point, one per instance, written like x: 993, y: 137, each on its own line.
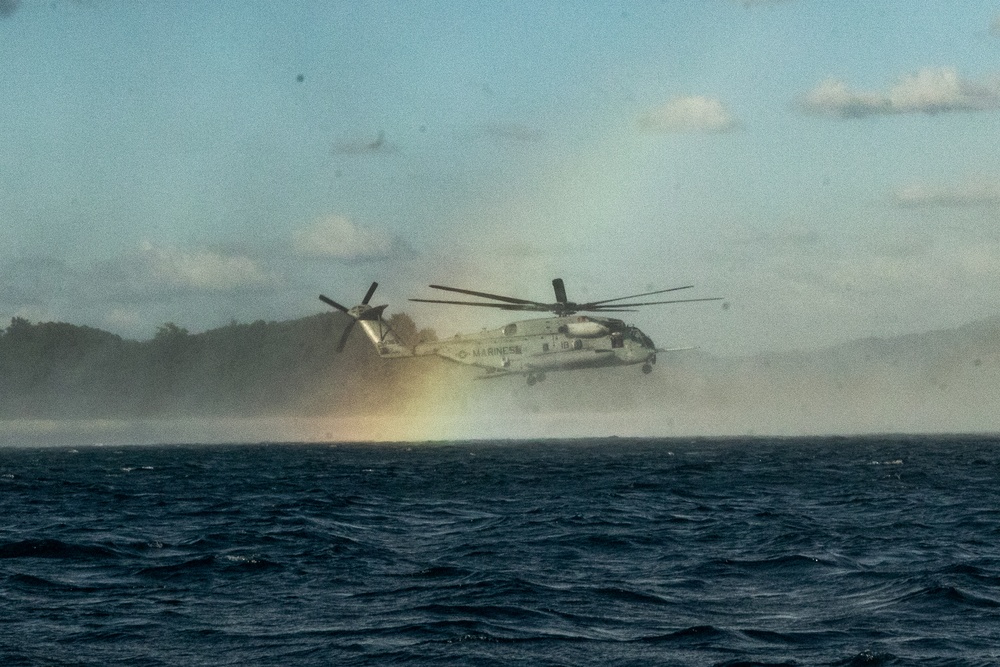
x: 607, y: 552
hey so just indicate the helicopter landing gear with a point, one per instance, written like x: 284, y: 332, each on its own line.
x: 535, y: 377
x: 647, y: 369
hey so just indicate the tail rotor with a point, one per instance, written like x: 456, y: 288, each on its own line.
x: 357, y: 313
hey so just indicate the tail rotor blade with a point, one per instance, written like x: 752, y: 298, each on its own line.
x: 368, y: 296
x: 330, y: 302
x: 344, y: 336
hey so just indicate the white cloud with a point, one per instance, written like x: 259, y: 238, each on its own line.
x: 35, y: 279
x: 974, y: 192
x: 759, y: 3
x: 694, y: 113
x: 363, y: 146
x: 930, y: 90
x: 944, y: 269
x: 35, y: 313
x: 780, y: 237
x: 336, y: 237
x: 199, y: 269
x: 511, y: 133
x: 833, y: 98
x: 882, y: 273
x: 123, y: 319
x: 8, y: 7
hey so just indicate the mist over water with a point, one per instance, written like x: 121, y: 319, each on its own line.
x: 896, y: 386
x: 191, y: 474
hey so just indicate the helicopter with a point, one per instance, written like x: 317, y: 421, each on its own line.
x: 532, y: 348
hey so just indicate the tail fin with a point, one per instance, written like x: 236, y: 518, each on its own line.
x: 386, y: 341
x: 381, y: 334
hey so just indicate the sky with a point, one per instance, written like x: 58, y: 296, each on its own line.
x: 832, y: 169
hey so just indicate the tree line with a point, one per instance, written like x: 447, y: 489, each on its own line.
x: 57, y: 370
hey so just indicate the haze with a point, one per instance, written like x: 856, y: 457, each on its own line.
x: 831, y: 169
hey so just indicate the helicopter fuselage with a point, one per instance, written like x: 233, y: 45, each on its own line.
x: 568, y: 341
x: 548, y: 344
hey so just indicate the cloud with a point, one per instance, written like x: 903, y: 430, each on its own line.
x: 198, y: 269
x: 694, y: 113
x: 336, y: 237
x: 931, y: 90
x: 975, y: 192
x: 941, y: 269
x: 363, y: 146
x: 35, y: 279
x: 119, y: 319
x: 779, y: 238
x: 122, y: 293
x: 760, y: 3
x: 8, y: 7
x: 511, y: 133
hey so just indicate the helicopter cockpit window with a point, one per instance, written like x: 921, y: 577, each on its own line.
x: 510, y: 330
x: 617, y: 340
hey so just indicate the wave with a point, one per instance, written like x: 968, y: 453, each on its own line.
x: 753, y: 555
x: 631, y: 596
x: 30, y: 582
x: 870, y: 659
x: 951, y: 595
x: 51, y: 548
x: 697, y: 634
x: 186, y: 568
x: 491, y: 612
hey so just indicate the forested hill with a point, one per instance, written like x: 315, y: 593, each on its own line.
x: 932, y: 381
x: 59, y: 370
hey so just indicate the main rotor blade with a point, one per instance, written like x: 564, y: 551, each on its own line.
x: 344, y: 336
x: 560, y: 290
x: 368, y: 296
x: 636, y: 296
x: 598, y: 309
x: 330, y: 302
x: 530, y: 305
x: 486, y: 295
x: 616, y: 309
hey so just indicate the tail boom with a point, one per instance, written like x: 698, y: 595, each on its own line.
x: 385, y: 340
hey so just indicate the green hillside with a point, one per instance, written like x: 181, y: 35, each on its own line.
x: 59, y: 370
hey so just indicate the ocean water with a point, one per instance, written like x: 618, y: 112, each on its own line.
x: 836, y: 551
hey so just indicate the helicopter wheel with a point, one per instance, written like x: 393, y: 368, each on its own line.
x: 647, y: 368
x: 532, y: 379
